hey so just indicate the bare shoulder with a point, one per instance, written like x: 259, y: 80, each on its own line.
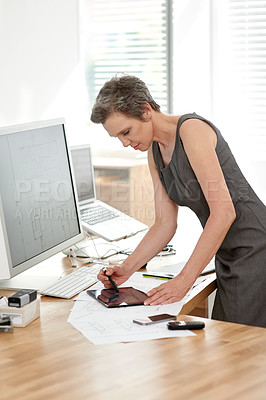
x: 196, y: 131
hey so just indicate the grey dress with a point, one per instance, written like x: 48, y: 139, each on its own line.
x: 240, y: 261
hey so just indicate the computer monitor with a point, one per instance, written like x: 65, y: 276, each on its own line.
x: 39, y: 214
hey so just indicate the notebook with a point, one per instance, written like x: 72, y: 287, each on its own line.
x: 96, y: 216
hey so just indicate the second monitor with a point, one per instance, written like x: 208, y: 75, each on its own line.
x: 38, y: 205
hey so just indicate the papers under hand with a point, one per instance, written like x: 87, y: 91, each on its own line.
x: 102, y: 325
x: 122, y: 329
x: 175, y: 269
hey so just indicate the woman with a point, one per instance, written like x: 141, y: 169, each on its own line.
x: 191, y: 165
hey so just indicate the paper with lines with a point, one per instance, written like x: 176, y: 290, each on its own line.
x: 102, y: 325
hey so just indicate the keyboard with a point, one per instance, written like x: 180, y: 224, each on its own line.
x: 72, y: 284
x: 95, y: 215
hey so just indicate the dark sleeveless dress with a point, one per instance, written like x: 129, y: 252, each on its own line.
x: 240, y: 262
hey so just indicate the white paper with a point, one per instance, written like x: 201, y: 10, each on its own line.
x: 100, y: 324
x: 104, y: 329
x: 175, y: 269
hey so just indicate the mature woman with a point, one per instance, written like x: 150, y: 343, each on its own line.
x: 191, y: 165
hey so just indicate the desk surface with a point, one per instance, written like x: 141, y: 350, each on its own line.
x: 49, y: 359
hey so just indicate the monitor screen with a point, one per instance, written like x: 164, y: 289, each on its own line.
x: 38, y: 205
x: 83, y: 170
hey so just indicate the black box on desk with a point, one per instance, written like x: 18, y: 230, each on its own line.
x: 22, y: 316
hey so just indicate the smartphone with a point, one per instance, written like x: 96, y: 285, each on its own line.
x: 154, y: 319
x: 178, y: 325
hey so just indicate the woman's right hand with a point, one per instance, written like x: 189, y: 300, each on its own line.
x: 118, y: 273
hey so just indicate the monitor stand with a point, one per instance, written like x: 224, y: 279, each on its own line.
x: 26, y: 281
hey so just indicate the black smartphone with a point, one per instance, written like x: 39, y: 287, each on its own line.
x: 178, y: 325
x: 154, y: 319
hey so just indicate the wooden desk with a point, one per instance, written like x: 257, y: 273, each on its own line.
x: 49, y: 359
x: 197, y: 302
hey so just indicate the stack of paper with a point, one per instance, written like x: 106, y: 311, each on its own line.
x: 101, y: 325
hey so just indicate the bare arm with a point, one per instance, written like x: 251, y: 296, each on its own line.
x: 199, y: 141
x: 163, y: 228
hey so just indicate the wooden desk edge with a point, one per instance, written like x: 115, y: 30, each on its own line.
x: 200, y: 293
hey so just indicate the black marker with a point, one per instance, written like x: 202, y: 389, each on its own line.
x: 111, y: 280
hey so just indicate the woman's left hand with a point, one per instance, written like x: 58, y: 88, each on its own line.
x: 168, y: 292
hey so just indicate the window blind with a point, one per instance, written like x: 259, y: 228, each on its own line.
x: 240, y: 63
x: 131, y: 37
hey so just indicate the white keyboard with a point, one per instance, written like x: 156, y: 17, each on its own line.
x: 73, y: 283
x: 97, y: 214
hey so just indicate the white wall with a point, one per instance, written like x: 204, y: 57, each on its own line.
x: 192, y: 89
x: 40, y: 72
x: 192, y: 57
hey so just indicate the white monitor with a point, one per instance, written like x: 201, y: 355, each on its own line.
x: 39, y: 214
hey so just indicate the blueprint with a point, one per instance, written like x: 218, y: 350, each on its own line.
x: 102, y: 325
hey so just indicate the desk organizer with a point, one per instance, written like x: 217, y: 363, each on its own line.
x: 22, y: 316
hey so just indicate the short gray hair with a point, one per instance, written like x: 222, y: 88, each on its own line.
x: 126, y: 94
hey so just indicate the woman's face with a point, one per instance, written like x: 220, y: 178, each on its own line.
x: 130, y: 131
